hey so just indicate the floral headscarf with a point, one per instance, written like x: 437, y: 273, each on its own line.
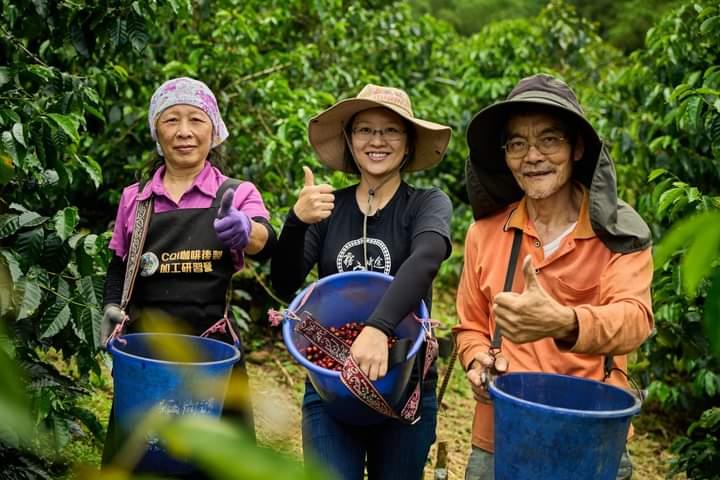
x: 186, y: 91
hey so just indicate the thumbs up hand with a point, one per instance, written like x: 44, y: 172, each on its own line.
x: 533, y: 314
x: 232, y: 226
x: 315, y: 202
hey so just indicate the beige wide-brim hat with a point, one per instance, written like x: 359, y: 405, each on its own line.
x: 327, y: 137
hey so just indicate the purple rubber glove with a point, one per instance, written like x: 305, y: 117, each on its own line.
x: 232, y: 226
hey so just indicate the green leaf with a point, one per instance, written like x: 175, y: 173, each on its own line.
x: 7, y: 303
x: 92, y: 168
x: 14, y: 404
x: 90, y: 321
x: 9, y: 224
x: 680, y: 234
x: 90, y: 245
x: 28, y: 297
x: 65, y: 222
x: 68, y: 123
x: 29, y: 244
x: 137, y: 33
x: 667, y: 199
x: 31, y: 219
x: 119, y: 32
x: 8, y: 145
x: 711, y: 319
x: 75, y: 239
x: 41, y: 7
x: 17, y: 131
x: 12, y: 263
x: 54, y: 319
x: 5, y: 75
x: 712, y: 23
x: 656, y: 173
x: 693, y: 113
x: 697, y: 261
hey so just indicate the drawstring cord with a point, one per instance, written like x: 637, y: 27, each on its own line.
x: 371, y: 192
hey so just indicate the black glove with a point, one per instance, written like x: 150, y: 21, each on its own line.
x: 112, y: 315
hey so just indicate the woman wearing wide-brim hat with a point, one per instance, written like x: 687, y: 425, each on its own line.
x: 380, y: 224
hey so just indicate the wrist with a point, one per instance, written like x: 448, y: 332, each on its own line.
x: 567, y: 334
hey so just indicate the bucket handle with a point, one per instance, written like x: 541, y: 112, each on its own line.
x: 118, y: 330
x: 224, y: 322
x: 275, y: 317
x: 220, y: 326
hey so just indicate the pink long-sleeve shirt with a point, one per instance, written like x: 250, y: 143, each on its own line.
x: 200, y: 195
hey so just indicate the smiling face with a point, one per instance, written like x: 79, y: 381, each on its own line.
x: 540, y: 175
x: 378, y: 154
x: 185, y: 136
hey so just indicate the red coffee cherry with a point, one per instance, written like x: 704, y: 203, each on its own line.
x: 347, y: 333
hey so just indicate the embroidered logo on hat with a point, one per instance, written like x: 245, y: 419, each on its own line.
x: 393, y: 96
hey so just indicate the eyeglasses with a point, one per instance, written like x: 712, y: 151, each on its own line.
x: 547, y: 145
x: 391, y: 134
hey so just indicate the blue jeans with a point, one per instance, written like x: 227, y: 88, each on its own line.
x: 394, y: 450
x: 481, y: 466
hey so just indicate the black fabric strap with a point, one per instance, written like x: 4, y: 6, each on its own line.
x: 608, y: 366
x: 509, y: 276
x: 229, y: 183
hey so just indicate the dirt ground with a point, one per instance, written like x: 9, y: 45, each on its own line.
x: 277, y: 386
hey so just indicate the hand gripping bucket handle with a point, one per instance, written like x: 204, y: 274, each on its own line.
x: 351, y: 376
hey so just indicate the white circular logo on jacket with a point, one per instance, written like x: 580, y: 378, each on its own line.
x: 149, y: 264
x: 351, y: 256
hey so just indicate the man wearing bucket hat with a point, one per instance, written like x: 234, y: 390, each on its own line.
x: 381, y: 224
x: 199, y: 227
x: 543, y: 190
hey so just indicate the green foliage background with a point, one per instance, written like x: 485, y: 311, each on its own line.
x: 75, y: 81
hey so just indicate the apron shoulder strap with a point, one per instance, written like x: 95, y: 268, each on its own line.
x: 229, y: 183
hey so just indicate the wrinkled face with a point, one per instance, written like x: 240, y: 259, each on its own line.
x: 379, y: 141
x: 185, y: 135
x: 547, y: 165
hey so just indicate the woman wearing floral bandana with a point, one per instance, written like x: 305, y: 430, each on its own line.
x: 381, y: 224
x: 201, y: 226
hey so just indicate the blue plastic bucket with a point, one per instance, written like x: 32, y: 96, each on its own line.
x: 352, y: 297
x: 147, y: 375
x: 559, y: 427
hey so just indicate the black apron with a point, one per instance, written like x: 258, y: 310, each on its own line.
x: 184, y: 274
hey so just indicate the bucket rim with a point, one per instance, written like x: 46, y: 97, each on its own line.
x: 630, y: 411
x: 287, y: 323
x: 116, y: 351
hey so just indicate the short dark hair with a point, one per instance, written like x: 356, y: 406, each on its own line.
x: 348, y: 159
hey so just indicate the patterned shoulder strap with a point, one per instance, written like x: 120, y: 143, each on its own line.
x: 142, y: 221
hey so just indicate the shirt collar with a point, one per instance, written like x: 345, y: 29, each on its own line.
x: 518, y: 217
x: 204, y: 182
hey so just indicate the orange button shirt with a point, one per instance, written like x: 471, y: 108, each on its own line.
x: 610, y: 293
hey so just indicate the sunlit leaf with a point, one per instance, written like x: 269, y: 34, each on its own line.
x: 14, y: 405
x: 68, y: 123
x: 65, y: 222
x: 92, y: 168
x: 697, y: 261
x: 27, y: 297
x: 656, y: 173
x: 712, y: 315
x: 54, y: 319
x: 681, y: 234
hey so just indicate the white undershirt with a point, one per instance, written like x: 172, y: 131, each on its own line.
x: 549, y: 248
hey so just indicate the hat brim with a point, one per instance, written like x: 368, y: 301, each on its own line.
x: 326, y: 135
x: 485, y: 132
